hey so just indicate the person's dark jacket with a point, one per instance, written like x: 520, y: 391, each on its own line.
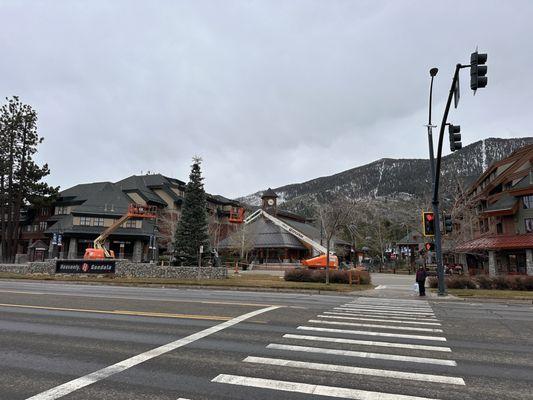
x: 421, y: 275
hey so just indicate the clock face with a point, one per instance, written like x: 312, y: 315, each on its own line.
x: 270, y: 202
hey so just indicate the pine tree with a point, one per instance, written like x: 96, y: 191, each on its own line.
x: 192, y: 228
x: 20, y: 176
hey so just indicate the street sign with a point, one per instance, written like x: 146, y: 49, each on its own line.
x: 456, y: 94
x: 201, y: 249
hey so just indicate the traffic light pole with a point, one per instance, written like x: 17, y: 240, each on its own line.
x: 436, y: 181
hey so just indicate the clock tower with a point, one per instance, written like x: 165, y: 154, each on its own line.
x: 270, y: 202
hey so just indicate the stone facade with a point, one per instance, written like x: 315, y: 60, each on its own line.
x: 125, y: 268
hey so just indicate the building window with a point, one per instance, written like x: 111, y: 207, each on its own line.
x: 61, y: 210
x: 499, y: 228
x: 42, y: 226
x: 529, y: 225
x: 528, y: 201
x: 85, y: 221
x: 130, y: 224
x: 98, y: 222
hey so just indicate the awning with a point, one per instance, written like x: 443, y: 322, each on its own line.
x: 499, y: 242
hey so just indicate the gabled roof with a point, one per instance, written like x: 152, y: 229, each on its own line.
x: 264, y: 234
x: 109, y: 200
x: 142, y: 184
x: 269, y: 193
x: 413, y: 237
x: 81, y: 192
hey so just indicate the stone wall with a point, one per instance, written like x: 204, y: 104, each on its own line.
x: 130, y: 269
x: 125, y: 268
x: 45, y: 267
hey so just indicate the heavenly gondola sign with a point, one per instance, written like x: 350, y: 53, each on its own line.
x: 85, y: 267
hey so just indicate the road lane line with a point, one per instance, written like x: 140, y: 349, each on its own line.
x: 346, y: 369
x: 123, y: 312
x: 391, y: 327
x: 318, y: 390
x: 371, y: 333
x: 370, y: 314
x: 362, y: 354
x: 368, y: 343
x: 398, y: 321
x: 125, y: 297
x: 69, y: 387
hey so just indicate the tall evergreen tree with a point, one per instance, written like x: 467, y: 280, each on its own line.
x: 20, y: 176
x: 192, y: 228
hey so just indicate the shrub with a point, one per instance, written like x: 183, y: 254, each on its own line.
x: 433, y: 282
x: 461, y: 282
x: 502, y: 282
x: 528, y: 282
x: 484, y: 282
x: 335, y: 276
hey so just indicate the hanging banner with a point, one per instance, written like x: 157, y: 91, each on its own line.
x: 85, y: 266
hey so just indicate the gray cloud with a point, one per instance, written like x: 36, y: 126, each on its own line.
x: 267, y: 92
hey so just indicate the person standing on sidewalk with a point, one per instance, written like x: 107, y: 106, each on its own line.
x: 421, y: 275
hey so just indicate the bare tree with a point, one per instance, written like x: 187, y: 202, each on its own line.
x: 333, y: 217
x: 242, y: 242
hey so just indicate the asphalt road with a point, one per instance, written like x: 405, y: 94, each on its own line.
x: 104, y: 342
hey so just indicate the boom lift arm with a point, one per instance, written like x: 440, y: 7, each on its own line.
x: 134, y: 211
x: 306, y: 239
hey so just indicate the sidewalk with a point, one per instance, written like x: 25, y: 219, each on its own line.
x: 400, y: 287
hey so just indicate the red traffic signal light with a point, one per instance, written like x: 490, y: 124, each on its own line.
x: 428, y: 223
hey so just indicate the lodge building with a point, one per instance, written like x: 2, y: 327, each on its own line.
x: 494, y: 219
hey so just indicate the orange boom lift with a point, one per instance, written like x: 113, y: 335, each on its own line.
x: 99, y: 251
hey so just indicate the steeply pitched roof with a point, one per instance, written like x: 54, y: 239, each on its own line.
x: 81, y: 192
x: 109, y: 200
x: 269, y: 193
x: 264, y: 234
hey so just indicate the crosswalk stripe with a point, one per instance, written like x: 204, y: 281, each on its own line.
x: 384, y: 312
x: 371, y: 333
x: 406, y: 308
x: 380, y: 320
x: 384, y: 373
x: 393, y: 303
x: 391, y: 309
x: 368, y: 343
x: 391, y: 327
x: 348, y: 353
x: 306, y: 388
x: 370, y: 314
x: 403, y: 306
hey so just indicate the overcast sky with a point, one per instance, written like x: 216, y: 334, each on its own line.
x: 267, y: 92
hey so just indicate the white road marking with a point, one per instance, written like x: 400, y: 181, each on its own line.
x: 396, y: 307
x: 318, y: 390
x: 369, y: 310
x: 381, y: 305
x: 391, y: 309
x: 398, y: 321
x: 371, y: 314
x: 346, y: 369
x: 361, y: 354
x: 379, y: 287
x: 370, y: 333
x: 368, y: 343
x: 391, y: 327
x: 69, y: 387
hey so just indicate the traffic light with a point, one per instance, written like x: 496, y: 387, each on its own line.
x: 429, y: 246
x: 478, y: 70
x: 455, y: 137
x: 448, y: 224
x: 428, y: 223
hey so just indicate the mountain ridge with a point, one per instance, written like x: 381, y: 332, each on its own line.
x: 395, y: 178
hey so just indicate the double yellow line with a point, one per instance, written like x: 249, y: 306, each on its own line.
x: 124, y: 312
